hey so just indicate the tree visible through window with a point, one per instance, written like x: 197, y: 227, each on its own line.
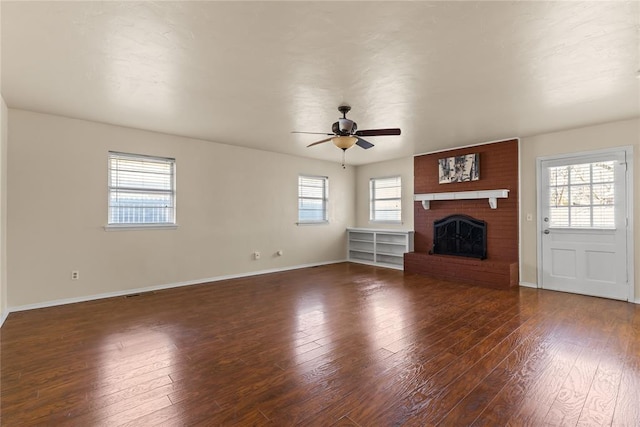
x: 385, y: 196
x: 312, y: 199
x: 582, y: 196
x: 141, y: 189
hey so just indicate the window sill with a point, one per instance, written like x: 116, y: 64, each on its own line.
x: 133, y: 227
x: 313, y: 223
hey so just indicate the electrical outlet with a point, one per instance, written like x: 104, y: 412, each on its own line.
x: 256, y: 255
x: 75, y: 275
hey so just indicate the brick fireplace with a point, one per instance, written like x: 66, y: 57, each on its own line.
x: 498, y: 174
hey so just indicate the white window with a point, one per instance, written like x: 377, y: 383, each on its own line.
x: 312, y: 199
x: 582, y: 195
x: 141, y: 190
x: 385, y: 197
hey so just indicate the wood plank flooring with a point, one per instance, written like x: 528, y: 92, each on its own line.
x: 343, y: 345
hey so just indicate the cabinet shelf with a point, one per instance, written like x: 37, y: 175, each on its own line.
x: 390, y: 254
x: 403, y: 244
x: 384, y: 248
x: 360, y: 251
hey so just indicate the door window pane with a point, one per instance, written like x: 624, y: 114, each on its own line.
x: 582, y: 195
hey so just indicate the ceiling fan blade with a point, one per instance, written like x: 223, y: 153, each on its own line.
x: 364, y: 144
x: 312, y: 133
x: 319, y: 142
x: 378, y: 132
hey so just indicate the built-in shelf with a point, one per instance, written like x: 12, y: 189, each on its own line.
x: 491, y: 195
x: 384, y: 248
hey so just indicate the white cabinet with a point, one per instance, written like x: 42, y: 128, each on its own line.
x: 384, y: 248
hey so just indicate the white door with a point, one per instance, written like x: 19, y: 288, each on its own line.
x: 583, y: 202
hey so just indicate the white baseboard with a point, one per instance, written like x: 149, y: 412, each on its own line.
x: 3, y: 317
x: 529, y: 285
x: 158, y: 288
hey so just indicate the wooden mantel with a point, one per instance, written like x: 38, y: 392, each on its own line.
x: 491, y: 195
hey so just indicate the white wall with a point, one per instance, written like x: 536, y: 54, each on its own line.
x: 615, y: 134
x: 3, y: 201
x: 3, y: 210
x: 399, y: 167
x: 231, y: 201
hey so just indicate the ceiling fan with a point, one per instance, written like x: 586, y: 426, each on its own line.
x: 346, y: 134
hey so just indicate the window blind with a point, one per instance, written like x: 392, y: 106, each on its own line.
x: 141, y: 189
x: 312, y: 199
x: 582, y: 195
x: 385, y: 195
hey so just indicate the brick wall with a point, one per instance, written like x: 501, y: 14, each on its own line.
x: 498, y: 170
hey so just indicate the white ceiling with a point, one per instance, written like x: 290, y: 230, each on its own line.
x: 249, y: 73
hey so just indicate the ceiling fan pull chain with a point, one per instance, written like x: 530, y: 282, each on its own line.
x: 344, y: 155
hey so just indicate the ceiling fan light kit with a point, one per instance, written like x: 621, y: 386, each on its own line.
x: 344, y: 142
x: 346, y: 134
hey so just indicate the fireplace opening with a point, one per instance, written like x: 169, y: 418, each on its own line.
x: 460, y: 235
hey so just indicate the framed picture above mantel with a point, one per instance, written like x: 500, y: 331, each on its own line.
x: 459, y: 168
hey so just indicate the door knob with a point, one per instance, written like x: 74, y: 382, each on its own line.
x: 546, y: 231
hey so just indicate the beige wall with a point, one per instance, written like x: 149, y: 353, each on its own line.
x: 231, y: 201
x: 3, y: 209
x: 616, y: 134
x: 399, y: 167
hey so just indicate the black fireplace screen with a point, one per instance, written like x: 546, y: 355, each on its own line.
x: 460, y: 235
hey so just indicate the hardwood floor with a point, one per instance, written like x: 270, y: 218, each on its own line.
x: 344, y: 345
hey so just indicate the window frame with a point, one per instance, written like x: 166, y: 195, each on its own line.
x: 373, y: 200
x: 172, y: 192
x: 570, y: 186
x: 325, y: 200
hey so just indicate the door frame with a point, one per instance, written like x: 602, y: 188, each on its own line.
x: 628, y: 154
